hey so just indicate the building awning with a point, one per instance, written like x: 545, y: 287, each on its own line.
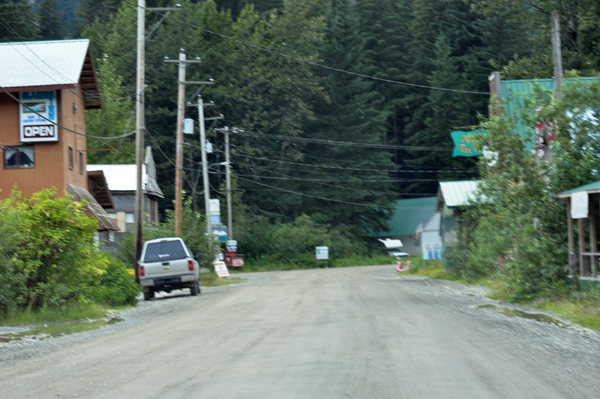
x: 92, y: 207
x: 590, y: 188
x: 456, y: 194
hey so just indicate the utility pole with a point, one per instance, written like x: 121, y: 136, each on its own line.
x: 179, y: 138
x: 179, y: 144
x: 204, y: 166
x: 556, y: 56
x: 228, y: 180
x: 140, y: 121
x: 139, y: 135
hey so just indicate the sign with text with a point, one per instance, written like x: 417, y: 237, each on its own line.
x: 467, y: 144
x: 322, y: 253
x: 231, y: 246
x: 221, y: 269
x: 579, y: 205
x: 38, y: 116
x: 433, y: 251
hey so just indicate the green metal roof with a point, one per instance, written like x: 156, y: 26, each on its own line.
x: 512, y: 93
x: 409, y: 213
x: 590, y: 188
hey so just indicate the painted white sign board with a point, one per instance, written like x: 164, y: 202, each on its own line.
x: 221, y: 269
x: 322, y: 253
x: 579, y: 205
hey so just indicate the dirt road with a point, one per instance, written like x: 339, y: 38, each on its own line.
x: 360, y: 332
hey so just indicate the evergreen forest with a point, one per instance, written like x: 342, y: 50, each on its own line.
x: 341, y: 107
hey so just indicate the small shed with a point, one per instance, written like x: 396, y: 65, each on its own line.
x: 453, y: 197
x: 583, y: 260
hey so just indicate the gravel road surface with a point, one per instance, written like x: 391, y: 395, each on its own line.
x: 362, y: 332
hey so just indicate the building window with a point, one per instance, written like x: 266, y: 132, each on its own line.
x: 19, y: 157
x: 81, y: 162
x: 71, y: 158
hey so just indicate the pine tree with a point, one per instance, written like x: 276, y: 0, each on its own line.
x: 356, y: 176
x: 18, y: 21
x: 50, y: 17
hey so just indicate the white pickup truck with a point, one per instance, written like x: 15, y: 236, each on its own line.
x: 167, y: 264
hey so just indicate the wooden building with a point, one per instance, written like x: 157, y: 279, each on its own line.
x: 45, y: 87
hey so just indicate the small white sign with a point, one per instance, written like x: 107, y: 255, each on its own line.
x: 322, y: 253
x: 221, y: 269
x: 579, y: 205
x: 214, y: 207
x: 232, y: 245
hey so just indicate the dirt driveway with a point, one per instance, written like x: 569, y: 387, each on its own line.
x: 360, y: 332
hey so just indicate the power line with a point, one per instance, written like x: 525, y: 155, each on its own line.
x: 63, y: 127
x: 339, y: 143
x: 312, y: 62
x: 327, y: 199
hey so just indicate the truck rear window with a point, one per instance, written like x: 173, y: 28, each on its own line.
x: 163, y: 251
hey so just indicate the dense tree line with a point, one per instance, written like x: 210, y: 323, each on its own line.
x: 303, y: 78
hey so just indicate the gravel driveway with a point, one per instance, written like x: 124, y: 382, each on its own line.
x: 362, y: 332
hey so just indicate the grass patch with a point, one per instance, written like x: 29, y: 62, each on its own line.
x: 583, y: 312
x: 64, y: 313
x: 211, y: 280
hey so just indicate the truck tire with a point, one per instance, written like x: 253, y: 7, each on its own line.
x: 148, y: 295
x: 194, y: 288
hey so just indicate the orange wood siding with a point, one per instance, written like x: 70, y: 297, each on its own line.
x: 51, y: 159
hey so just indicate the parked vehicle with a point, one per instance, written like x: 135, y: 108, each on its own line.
x: 167, y: 264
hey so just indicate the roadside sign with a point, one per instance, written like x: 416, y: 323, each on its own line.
x: 221, y: 269
x: 238, y: 262
x: 232, y: 246
x: 322, y: 253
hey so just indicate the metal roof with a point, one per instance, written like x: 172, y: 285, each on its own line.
x: 124, y: 177
x: 50, y: 65
x: 592, y: 188
x: 456, y: 194
x: 408, y: 215
x: 120, y: 177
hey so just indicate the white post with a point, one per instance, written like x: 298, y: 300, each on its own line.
x: 228, y: 181
x: 179, y: 144
x: 204, y: 166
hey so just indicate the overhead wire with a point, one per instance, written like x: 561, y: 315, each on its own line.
x: 301, y: 60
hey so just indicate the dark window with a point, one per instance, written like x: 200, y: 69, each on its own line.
x: 81, y: 162
x: 164, y: 250
x: 71, y: 158
x: 19, y: 157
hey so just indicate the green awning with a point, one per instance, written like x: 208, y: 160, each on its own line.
x: 591, y: 188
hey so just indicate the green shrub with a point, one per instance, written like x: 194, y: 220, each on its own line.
x: 116, y: 287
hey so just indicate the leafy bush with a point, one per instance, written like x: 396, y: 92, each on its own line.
x: 116, y: 287
x: 48, y: 258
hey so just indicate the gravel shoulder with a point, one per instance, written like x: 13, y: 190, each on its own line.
x: 362, y: 332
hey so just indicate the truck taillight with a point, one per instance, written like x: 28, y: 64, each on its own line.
x: 142, y: 274
x: 191, y: 265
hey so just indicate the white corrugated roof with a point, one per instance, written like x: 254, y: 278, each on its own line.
x: 120, y: 177
x: 44, y: 63
x: 458, y: 193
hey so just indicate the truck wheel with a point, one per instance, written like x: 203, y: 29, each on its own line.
x: 194, y: 289
x: 148, y: 295
x: 199, y: 288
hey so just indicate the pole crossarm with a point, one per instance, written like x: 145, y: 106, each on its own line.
x: 185, y: 62
x: 164, y: 8
x: 212, y: 118
x: 192, y: 82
